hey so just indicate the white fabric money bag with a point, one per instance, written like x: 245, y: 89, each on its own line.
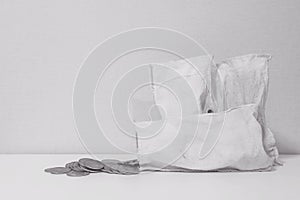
x: 230, y: 140
x: 235, y: 137
x: 244, y: 80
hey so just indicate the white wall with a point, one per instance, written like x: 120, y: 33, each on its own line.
x: 42, y: 45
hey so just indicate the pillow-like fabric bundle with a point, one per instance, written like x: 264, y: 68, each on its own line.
x: 234, y: 143
x: 243, y: 80
x: 235, y: 137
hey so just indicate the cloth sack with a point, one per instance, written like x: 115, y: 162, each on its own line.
x: 230, y: 140
x: 234, y: 83
x: 245, y: 80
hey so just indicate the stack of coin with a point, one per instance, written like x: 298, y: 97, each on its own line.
x: 86, y: 166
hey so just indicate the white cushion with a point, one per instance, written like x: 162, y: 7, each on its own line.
x: 244, y: 80
x: 225, y: 140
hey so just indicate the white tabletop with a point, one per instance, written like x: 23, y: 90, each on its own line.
x: 22, y: 177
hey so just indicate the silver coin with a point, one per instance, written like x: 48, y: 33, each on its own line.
x: 75, y: 166
x: 68, y: 165
x: 109, y: 171
x: 104, y: 161
x: 57, y: 170
x: 111, y: 165
x: 128, y: 169
x: 91, y: 164
x: 111, y: 168
x: 77, y: 173
x: 120, y: 168
x: 132, y: 162
x: 90, y: 170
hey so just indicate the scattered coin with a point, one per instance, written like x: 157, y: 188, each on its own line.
x: 77, y: 173
x: 111, y: 166
x: 132, y: 162
x: 104, y: 161
x: 91, y: 164
x: 85, y: 166
x: 109, y: 171
x: 127, y: 169
x: 57, y: 170
x: 75, y: 166
x: 90, y: 170
x: 118, y: 167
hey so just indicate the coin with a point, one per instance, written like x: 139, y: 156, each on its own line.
x: 128, y: 169
x: 91, y: 164
x: 57, y: 170
x: 110, y: 161
x: 75, y: 166
x: 118, y: 167
x: 85, y: 166
x: 109, y: 171
x: 77, y: 173
x: 111, y: 166
x: 132, y: 162
x: 90, y: 170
